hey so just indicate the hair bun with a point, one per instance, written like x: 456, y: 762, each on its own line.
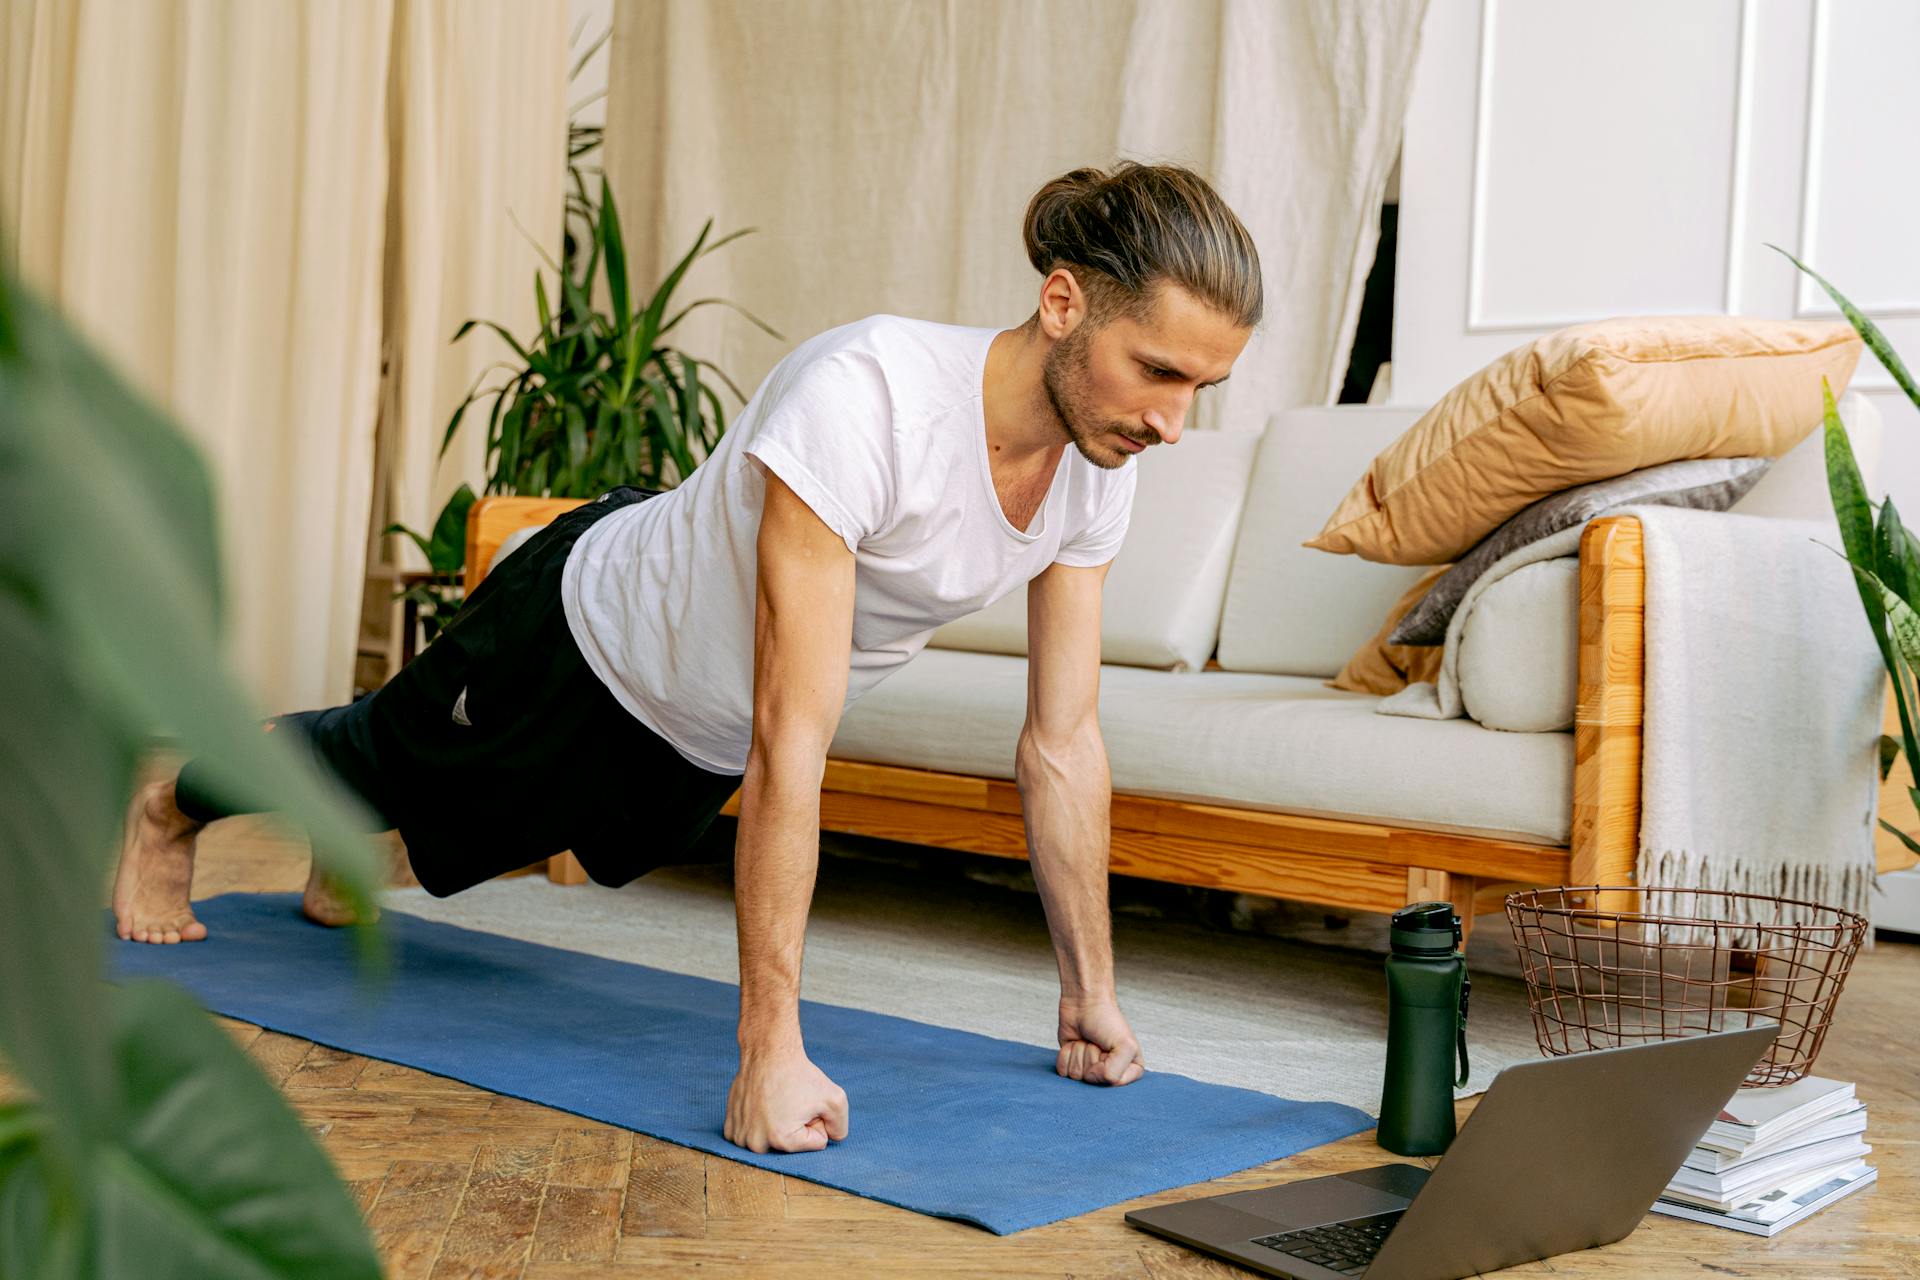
x: 1139, y: 225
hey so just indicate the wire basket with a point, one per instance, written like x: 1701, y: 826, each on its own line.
x: 1684, y: 962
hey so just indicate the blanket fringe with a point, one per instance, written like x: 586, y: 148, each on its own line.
x: 1845, y: 886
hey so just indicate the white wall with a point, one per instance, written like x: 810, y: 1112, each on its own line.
x: 1566, y: 161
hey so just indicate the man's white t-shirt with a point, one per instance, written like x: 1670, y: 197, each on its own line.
x: 878, y: 426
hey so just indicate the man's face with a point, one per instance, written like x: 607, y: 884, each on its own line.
x: 1130, y: 386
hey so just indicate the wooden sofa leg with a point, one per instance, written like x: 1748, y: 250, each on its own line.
x: 1424, y: 884
x: 564, y: 868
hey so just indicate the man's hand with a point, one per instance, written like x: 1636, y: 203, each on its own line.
x: 780, y: 1101
x: 1096, y: 1044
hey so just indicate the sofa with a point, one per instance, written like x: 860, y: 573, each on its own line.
x: 1235, y: 765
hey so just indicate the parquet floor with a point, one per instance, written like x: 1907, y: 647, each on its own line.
x: 458, y: 1182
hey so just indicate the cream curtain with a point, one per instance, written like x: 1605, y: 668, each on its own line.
x: 203, y: 187
x: 478, y: 130
x: 887, y: 150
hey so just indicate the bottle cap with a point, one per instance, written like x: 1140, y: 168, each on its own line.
x: 1426, y: 928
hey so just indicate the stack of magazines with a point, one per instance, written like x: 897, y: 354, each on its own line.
x: 1774, y: 1157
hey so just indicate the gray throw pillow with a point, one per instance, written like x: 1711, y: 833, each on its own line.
x: 1705, y: 484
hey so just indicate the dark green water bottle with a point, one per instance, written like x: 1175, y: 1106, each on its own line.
x: 1427, y: 990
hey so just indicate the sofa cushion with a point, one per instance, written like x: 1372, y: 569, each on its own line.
x: 1290, y: 610
x: 1796, y: 486
x: 1581, y: 404
x: 1382, y: 667
x: 1161, y: 605
x: 1519, y: 666
x: 1705, y: 484
x: 1283, y: 744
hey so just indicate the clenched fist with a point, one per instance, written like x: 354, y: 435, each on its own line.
x: 780, y: 1101
x: 1096, y: 1044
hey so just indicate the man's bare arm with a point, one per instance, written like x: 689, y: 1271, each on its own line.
x: 1066, y: 794
x: 803, y: 627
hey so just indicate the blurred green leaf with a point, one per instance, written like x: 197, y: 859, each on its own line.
x: 206, y: 1172
x: 109, y: 576
x: 42, y: 1231
x: 214, y: 1176
x: 65, y: 772
x: 110, y: 619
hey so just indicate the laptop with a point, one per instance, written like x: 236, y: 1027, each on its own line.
x: 1562, y: 1154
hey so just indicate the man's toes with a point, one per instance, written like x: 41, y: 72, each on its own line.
x: 192, y: 931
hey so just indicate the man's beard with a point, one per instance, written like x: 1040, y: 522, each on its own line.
x: 1064, y: 375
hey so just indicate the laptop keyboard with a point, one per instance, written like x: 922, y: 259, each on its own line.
x: 1346, y: 1247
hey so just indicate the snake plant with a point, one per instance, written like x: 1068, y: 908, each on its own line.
x: 1882, y: 550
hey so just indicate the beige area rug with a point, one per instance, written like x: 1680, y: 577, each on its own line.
x: 1291, y: 1016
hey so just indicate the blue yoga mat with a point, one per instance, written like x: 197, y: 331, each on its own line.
x: 943, y: 1122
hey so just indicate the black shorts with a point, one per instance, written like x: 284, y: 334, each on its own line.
x: 498, y: 746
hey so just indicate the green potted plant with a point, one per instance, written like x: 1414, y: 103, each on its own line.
x: 1881, y: 549
x: 597, y: 399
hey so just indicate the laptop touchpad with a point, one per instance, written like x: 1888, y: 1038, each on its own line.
x: 1403, y: 1180
x: 1206, y: 1220
x: 1313, y: 1201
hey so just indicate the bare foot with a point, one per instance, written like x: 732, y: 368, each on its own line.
x: 150, y: 893
x: 324, y: 902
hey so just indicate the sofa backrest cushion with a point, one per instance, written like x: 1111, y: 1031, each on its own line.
x: 1161, y: 606
x: 1796, y: 486
x: 1291, y: 610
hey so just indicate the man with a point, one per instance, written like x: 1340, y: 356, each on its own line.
x: 645, y: 655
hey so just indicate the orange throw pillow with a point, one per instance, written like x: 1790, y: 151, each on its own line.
x: 1381, y: 668
x: 1584, y: 404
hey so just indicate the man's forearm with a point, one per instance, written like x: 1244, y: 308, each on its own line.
x: 776, y: 856
x: 1066, y: 794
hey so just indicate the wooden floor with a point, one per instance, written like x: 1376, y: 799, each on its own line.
x: 456, y: 1181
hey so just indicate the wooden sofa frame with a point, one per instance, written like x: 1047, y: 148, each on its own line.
x: 1369, y: 866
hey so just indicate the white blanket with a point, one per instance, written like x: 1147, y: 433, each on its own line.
x: 1763, y: 705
